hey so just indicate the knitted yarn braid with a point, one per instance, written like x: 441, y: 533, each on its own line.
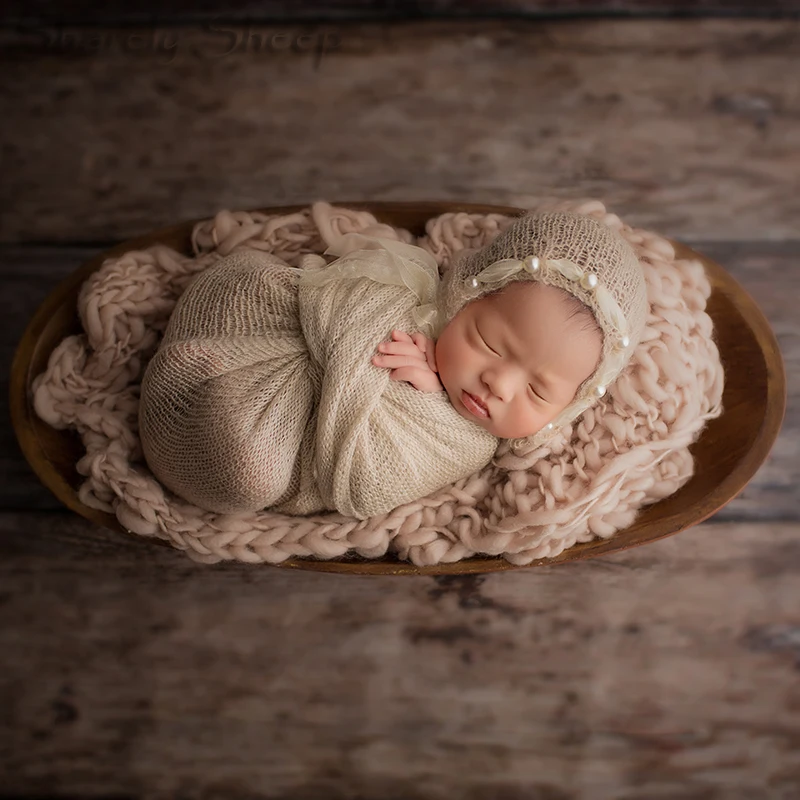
x: 627, y: 451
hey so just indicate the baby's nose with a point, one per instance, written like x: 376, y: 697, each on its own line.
x: 500, y: 383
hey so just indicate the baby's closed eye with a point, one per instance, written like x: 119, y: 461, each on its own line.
x: 484, y: 342
x: 536, y: 394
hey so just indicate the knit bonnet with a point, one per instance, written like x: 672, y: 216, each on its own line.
x: 572, y: 252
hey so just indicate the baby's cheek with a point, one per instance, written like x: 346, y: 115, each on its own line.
x: 523, y: 422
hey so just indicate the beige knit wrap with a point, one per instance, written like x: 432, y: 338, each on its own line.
x: 263, y: 394
x: 628, y: 450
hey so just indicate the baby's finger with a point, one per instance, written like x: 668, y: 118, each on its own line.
x: 421, y: 378
x: 410, y: 374
x: 400, y: 349
x: 400, y: 336
x: 430, y: 354
x: 396, y: 361
x: 421, y: 341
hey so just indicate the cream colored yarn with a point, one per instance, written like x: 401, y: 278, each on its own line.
x: 627, y: 451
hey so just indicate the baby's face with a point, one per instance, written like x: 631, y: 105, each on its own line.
x: 517, y: 353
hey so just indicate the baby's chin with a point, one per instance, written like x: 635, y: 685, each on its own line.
x: 500, y: 431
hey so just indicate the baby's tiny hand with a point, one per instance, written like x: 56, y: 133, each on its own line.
x: 410, y: 358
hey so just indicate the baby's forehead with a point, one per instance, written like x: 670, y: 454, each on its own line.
x: 524, y: 297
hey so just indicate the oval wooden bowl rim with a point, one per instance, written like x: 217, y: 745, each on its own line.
x: 25, y: 420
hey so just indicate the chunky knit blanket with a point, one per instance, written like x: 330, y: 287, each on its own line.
x: 628, y: 451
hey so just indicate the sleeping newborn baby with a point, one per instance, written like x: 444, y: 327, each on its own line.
x: 510, y: 362
x: 367, y: 383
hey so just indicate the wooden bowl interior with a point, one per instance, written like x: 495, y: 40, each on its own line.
x: 728, y: 453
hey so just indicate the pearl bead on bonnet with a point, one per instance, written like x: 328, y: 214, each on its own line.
x: 572, y: 252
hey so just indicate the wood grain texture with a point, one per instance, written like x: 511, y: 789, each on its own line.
x: 662, y: 673
x: 687, y: 127
x: 41, y: 12
x: 669, y: 671
x: 765, y: 269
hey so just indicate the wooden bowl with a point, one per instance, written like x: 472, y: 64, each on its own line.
x: 728, y: 453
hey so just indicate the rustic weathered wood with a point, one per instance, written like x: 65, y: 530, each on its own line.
x: 663, y: 672
x: 687, y: 127
x: 41, y: 12
x: 666, y: 672
x: 727, y: 455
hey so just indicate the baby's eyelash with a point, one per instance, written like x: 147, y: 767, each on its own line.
x: 485, y: 343
x: 536, y: 393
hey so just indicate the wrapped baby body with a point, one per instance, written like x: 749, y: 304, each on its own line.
x: 262, y: 393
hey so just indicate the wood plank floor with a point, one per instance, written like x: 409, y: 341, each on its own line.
x: 668, y: 671
x: 485, y: 111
